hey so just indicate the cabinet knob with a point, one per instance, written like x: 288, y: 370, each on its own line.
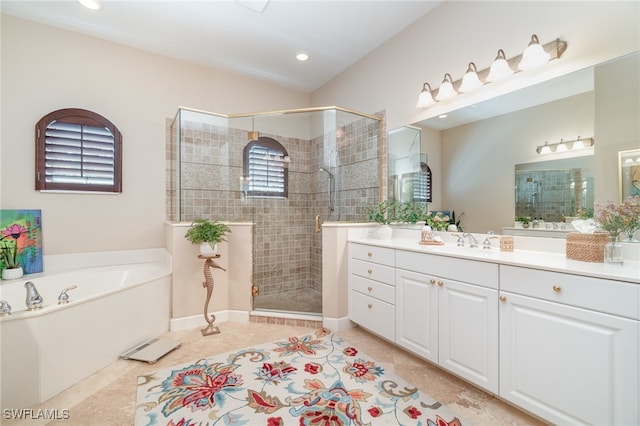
x: 369, y: 306
x: 432, y: 281
x: 557, y: 288
x: 369, y: 254
x: 369, y: 271
x: 369, y: 288
x: 503, y: 298
x: 440, y: 283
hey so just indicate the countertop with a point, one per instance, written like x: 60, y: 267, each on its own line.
x: 628, y: 271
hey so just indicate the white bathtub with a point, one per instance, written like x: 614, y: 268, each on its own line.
x: 121, y: 299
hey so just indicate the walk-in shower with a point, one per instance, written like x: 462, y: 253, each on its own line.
x: 286, y: 172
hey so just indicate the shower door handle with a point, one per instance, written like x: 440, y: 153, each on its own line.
x: 317, y: 223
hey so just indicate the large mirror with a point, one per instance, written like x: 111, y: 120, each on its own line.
x: 474, y: 151
x: 407, y: 167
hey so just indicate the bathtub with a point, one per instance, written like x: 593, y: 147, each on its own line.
x: 122, y: 299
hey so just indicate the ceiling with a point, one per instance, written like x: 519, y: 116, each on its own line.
x: 231, y: 35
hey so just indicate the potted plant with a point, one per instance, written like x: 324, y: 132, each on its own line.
x: 11, y: 267
x: 524, y: 220
x: 383, y: 213
x: 208, y: 234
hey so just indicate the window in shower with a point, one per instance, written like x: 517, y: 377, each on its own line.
x: 266, y: 168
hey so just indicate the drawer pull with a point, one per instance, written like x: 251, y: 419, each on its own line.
x: 369, y: 288
x: 369, y: 254
x: 369, y: 271
x: 503, y: 298
x: 440, y: 283
x: 557, y: 288
x: 432, y: 281
x: 369, y: 306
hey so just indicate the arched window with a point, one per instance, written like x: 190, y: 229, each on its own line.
x: 266, y: 168
x: 422, y: 185
x: 78, y: 150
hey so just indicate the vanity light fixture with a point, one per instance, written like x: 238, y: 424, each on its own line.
x: 446, y: 90
x: 470, y: 81
x: 500, y: 68
x: 563, y: 146
x: 535, y: 55
x: 426, y: 97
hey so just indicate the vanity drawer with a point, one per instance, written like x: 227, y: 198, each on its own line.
x: 381, y: 255
x: 380, y: 291
x: 469, y: 271
x: 612, y: 297
x: 373, y: 314
x: 374, y: 271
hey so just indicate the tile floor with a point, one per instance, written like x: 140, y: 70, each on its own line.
x: 108, y: 397
x: 303, y: 300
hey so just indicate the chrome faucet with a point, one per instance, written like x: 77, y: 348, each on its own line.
x: 34, y: 300
x: 5, y: 308
x: 64, y: 297
x: 473, y: 241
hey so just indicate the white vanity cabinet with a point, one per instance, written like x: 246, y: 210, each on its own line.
x: 569, y: 346
x: 371, y: 288
x: 447, y: 312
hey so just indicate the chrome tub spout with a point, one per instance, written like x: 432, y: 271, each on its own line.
x: 5, y: 308
x: 34, y: 300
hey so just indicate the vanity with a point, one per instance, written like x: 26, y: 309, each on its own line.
x: 556, y: 337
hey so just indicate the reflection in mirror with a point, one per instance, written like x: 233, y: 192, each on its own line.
x: 554, y: 190
x: 629, y: 168
x: 409, y: 174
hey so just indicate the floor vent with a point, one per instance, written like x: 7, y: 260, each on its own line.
x: 151, y: 351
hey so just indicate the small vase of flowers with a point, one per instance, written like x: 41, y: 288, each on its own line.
x: 616, y: 219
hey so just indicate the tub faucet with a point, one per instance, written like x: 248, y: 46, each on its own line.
x: 5, y: 308
x: 473, y: 241
x: 64, y: 297
x: 34, y: 300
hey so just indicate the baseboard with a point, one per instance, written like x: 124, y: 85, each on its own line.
x: 194, y: 321
x: 337, y: 324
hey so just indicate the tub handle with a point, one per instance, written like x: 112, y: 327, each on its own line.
x: 64, y: 297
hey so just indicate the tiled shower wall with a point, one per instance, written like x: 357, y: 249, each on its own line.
x: 549, y: 194
x: 287, y: 250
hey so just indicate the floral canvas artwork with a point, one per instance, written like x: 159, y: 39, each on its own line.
x: 21, y: 239
x: 317, y: 379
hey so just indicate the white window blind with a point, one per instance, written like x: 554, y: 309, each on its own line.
x: 79, y: 154
x: 266, y: 172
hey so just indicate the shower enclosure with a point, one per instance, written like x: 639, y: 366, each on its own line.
x: 286, y: 172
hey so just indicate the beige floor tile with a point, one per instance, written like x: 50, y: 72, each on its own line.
x: 108, y: 397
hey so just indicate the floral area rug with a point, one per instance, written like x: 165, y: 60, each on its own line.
x: 317, y: 379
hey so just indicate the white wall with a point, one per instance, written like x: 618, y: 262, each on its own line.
x: 45, y: 69
x: 457, y: 32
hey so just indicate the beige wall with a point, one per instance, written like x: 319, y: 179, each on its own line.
x: 45, y: 69
x: 457, y: 32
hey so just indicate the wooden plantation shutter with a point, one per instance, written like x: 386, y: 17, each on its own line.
x: 265, y: 168
x: 78, y: 150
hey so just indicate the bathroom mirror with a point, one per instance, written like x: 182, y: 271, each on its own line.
x: 629, y: 173
x: 554, y: 190
x: 475, y: 149
x: 407, y: 168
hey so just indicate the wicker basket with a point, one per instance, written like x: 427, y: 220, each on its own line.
x: 587, y: 247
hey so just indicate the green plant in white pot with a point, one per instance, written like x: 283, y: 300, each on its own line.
x: 207, y: 233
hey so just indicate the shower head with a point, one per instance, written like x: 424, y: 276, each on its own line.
x: 322, y: 169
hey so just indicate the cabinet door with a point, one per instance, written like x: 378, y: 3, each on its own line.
x: 568, y: 365
x: 417, y: 313
x: 468, y: 332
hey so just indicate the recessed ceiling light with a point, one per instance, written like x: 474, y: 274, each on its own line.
x: 90, y: 4
x: 302, y: 56
x: 442, y: 116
